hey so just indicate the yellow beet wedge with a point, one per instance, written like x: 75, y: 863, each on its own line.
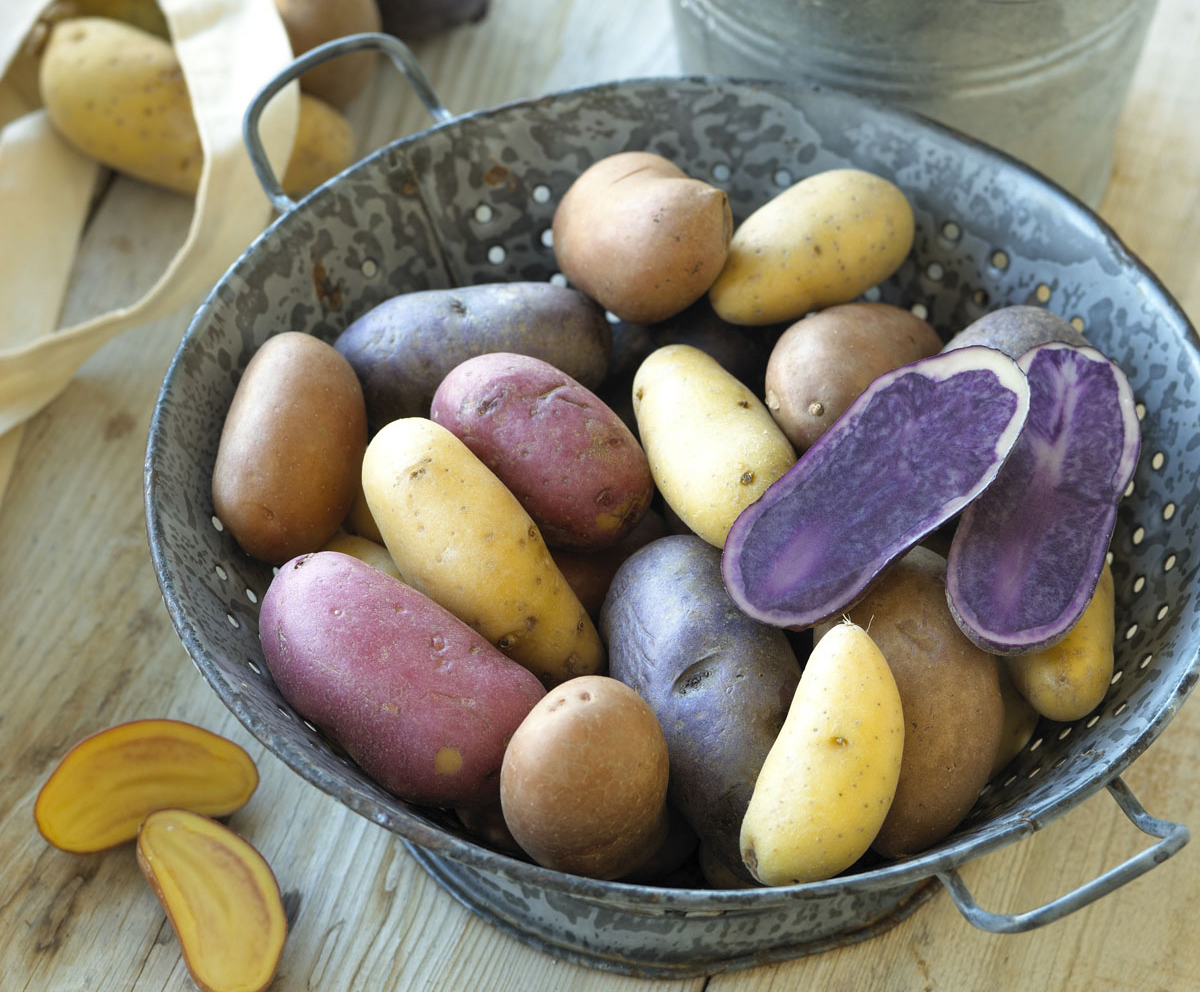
x: 221, y: 897
x: 108, y: 783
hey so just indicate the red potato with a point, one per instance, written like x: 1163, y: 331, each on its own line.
x: 422, y: 702
x: 577, y: 470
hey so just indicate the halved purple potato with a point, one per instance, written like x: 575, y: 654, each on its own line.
x: 1027, y: 555
x: 916, y: 447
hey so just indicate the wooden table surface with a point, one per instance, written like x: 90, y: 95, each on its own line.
x: 87, y: 642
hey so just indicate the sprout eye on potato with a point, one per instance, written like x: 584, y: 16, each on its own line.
x: 612, y: 597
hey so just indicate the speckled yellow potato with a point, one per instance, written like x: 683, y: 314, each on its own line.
x: 117, y: 93
x: 712, y: 444
x: 460, y: 537
x: 825, y: 240
x: 365, y: 550
x: 1069, y: 679
x: 828, y: 781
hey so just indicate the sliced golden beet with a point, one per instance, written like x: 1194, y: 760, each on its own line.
x: 108, y: 783
x: 221, y: 897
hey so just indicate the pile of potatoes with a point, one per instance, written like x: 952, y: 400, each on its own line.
x: 502, y: 597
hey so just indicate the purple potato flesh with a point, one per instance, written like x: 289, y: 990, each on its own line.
x: 1026, y: 556
x: 909, y: 453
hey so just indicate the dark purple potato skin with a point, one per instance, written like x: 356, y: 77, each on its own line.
x: 908, y: 454
x: 1026, y: 556
x: 412, y: 20
x: 719, y: 682
x: 402, y: 348
x: 1015, y: 329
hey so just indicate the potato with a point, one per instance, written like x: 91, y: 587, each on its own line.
x: 823, y: 241
x: 324, y: 147
x: 712, y: 445
x: 310, y: 23
x: 571, y: 461
x: 117, y: 93
x: 290, y: 449
x: 719, y: 682
x: 636, y: 233
x: 423, y: 703
x: 1070, y: 678
x: 583, y: 784
x: 1020, y: 721
x: 459, y: 536
x: 1015, y: 329
x: 364, y: 549
x: 824, y: 361
x: 950, y: 693
x: 828, y: 781
x: 404, y: 347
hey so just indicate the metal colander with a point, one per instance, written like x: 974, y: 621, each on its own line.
x: 471, y: 200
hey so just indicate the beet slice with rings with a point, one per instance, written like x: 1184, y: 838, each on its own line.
x: 918, y: 445
x: 1026, y: 556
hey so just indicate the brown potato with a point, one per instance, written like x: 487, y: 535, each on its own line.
x: 288, y: 459
x: 640, y: 236
x: 950, y: 695
x: 821, y: 363
x: 310, y: 23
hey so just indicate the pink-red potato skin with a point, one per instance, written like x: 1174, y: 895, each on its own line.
x: 641, y: 237
x: 288, y: 460
x: 576, y: 468
x: 423, y: 703
x: 822, y: 362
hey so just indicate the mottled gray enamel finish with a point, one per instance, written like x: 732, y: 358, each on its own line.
x: 406, y: 218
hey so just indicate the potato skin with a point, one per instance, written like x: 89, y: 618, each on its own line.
x: 639, y: 235
x: 583, y: 785
x: 719, y: 682
x: 423, y: 703
x: 823, y: 241
x: 1015, y: 329
x: 404, y: 347
x: 822, y: 362
x: 830, y: 777
x: 117, y: 93
x: 590, y: 573
x: 310, y: 23
x: 287, y: 464
x: 713, y: 447
x: 457, y: 534
x: 950, y: 694
x: 571, y: 461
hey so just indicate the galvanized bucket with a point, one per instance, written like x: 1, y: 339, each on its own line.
x: 1045, y: 80
x: 470, y: 200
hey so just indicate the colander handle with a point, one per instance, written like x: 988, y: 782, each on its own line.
x: 393, y: 47
x: 1173, y: 837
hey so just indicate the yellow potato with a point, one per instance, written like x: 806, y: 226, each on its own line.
x: 460, y: 537
x: 713, y: 446
x: 825, y: 240
x: 1069, y: 679
x: 828, y: 781
x: 364, y: 549
x: 117, y: 93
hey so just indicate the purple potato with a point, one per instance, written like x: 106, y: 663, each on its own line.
x: 1015, y: 329
x: 918, y: 445
x: 719, y: 682
x: 1027, y: 555
x: 402, y: 348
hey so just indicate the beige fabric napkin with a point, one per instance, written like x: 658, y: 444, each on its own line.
x: 228, y: 50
